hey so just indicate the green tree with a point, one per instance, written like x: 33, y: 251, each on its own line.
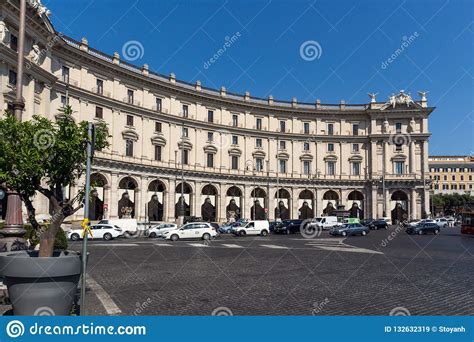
x: 42, y: 156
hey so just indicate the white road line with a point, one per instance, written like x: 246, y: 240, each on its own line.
x: 231, y: 245
x: 197, y: 245
x: 274, y: 246
x: 163, y: 244
x: 114, y: 244
x: 107, y: 302
x: 353, y: 249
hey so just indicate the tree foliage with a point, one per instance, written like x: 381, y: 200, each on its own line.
x: 451, y: 203
x: 44, y: 156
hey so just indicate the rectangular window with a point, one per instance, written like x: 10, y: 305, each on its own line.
x: 282, y: 126
x: 235, y: 162
x: 129, y: 120
x: 330, y: 147
x: 210, y: 160
x: 100, y: 86
x: 159, y: 104
x: 306, y: 146
x: 330, y: 129
x: 129, y: 148
x: 64, y: 101
x: 65, y: 74
x: 436, y: 186
x: 12, y: 78
x: 399, y: 167
x: 306, y: 127
x: 331, y: 168
x: 282, y: 145
x: 210, y: 116
x: 453, y: 177
x: 356, y: 168
x: 306, y: 167
x: 210, y: 136
x: 259, y: 124
x: 235, y: 140
x: 157, y: 152
x: 99, y: 112
x: 185, y: 111
x: 130, y: 96
x: 355, y: 148
x: 398, y: 127
x: 445, y: 177
x: 398, y: 147
x: 259, y: 164
x: 282, y: 164
x: 13, y: 42
x: 185, y: 132
x: 258, y: 142
x: 235, y: 120
x: 355, y: 129
x: 185, y: 157
x: 158, y: 127
x: 454, y: 187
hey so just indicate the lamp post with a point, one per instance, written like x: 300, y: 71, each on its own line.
x: 13, y: 231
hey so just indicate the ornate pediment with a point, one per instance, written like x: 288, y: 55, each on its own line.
x: 259, y: 154
x: 402, y: 99
x: 235, y: 151
x: 129, y: 134
x: 306, y: 156
x: 158, y: 140
x: 210, y: 149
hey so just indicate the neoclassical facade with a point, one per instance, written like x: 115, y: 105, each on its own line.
x: 216, y: 151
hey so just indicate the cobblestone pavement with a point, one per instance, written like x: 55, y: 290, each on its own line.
x: 383, y: 272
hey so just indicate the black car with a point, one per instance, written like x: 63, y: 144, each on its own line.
x: 378, y: 224
x: 424, y: 228
x: 287, y: 227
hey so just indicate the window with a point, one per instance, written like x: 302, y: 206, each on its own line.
x: 462, y: 186
x: 99, y: 112
x: 330, y: 129
x: 330, y: 147
x: 399, y: 167
x: 306, y: 167
x: 355, y: 129
x: 356, y: 168
x: 306, y: 146
x: 436, y: 186
x: 157, y: 152
x: 331, y: 168
x: 65, y: 74
x: 185, y: 157
x: 130, y: 96
x: 210, y: 160
x: 258, y: 124
x: 282, y: 165
x: 235, y: 120
x: 445, y: 187
x: 185, y: 132
x: 210, y: 136
x: 100, y: 86
x: 306, y: 127
x: 398, y: 127
x: 258, y: 142
x: 398, y: 147
x: 129, y: 120
x: 282, y: 126
x: 355, y: 148
x: 12, y: 78
x: 445, y: 177
x: 454, y: 186
x: 158, y: 127
x: 13, y: 42
x: 282, y: 145
x: 235, y: 140
x: 159, y: 104
x: 470, y: 177
x: 64, y: 100
x: 129, y: 148
x: 453, y: 177
x: 210, y: 116
x: 235, y: 162
x: 259, y: 164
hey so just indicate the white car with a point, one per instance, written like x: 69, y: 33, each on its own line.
x: 260, y: 227
x: 99, y: 231
x: 160, y: 229
x: 442, y: 222
x: 417, y: 222
x: 194, y: 230
x: 326, y: 222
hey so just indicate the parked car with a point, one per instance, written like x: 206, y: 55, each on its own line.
x: 259, y: 227
x: 158, y: 230
x: 227, y: 228
x: 442, y: 222
x: 417, y: 222
x: 288, y: 227
x: 388, y: 220
x: 424, y: 228
x: 326, y: 222
x: 349, y: 229
x: 366, y: 222
x: 378, y: 224
x: 99, y: 231
x: 129, y: 226
x: 194, y: 230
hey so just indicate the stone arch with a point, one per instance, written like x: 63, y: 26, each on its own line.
x: 355, y: 200
x: 96, y: 206
x: 399, y: 206
x: 258, y: 197
x: 128, y: 197
x: 183, y: 204
x: 234, y: 203
x: 209, y: 203
x: 306, y: 205
x: 330, y: 202
x: 283, y: 204
x: 155, y: 208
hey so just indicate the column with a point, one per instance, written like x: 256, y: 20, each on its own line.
x: 413, y: 213
x: 107, y: 196
x: 196, y: 199
x: 113, y: 205
x: 294, y: 204
x: 412, y: 157
x: 387, y: 202
x: 374, y: 205
x: 385, y: 169
x: 247, y: 201
x: 143, y: 212
x: 171, y: 201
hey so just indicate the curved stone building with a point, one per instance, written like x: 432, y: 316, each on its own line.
x: 215, y: 153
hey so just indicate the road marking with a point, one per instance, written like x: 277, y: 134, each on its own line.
x: 197, y: 245
x: 114, y: 244
x: 231, y: 245
x: 352, y: 249
x: 163, y: 244
x: 274, y: 246
x: 107, y: 302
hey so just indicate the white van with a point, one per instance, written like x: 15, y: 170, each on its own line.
x: 261, y: 227
x: 325, y: 222
x: 129, y: 226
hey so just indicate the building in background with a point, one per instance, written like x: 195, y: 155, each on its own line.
x: 451, y: 174
x: 239, y: 155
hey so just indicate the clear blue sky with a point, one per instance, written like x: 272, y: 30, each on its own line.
x: 355, y: 39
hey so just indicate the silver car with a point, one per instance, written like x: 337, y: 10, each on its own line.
x: 159, y: 230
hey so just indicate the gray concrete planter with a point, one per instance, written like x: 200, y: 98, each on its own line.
x: 41, y: 286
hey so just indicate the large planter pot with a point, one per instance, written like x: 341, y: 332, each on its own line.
x: 41, y: 286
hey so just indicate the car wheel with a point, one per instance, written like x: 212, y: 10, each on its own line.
x: 265, y: 233
x: 364, y: 233
x: 174, y: 237
x: 420, y: 232
x: 107, y: 236
x: 75, y: 237
x: 206, y: 236
x: 152, y: 235
x: 436, y: 231
x: 344, y: 234
x: 242, y: 233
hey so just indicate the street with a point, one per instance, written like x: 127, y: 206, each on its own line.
x: 284, y: 275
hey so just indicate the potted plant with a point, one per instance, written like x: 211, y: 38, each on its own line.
x: 40, y: 157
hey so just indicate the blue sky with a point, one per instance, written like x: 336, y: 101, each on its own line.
x: 354, y: 40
